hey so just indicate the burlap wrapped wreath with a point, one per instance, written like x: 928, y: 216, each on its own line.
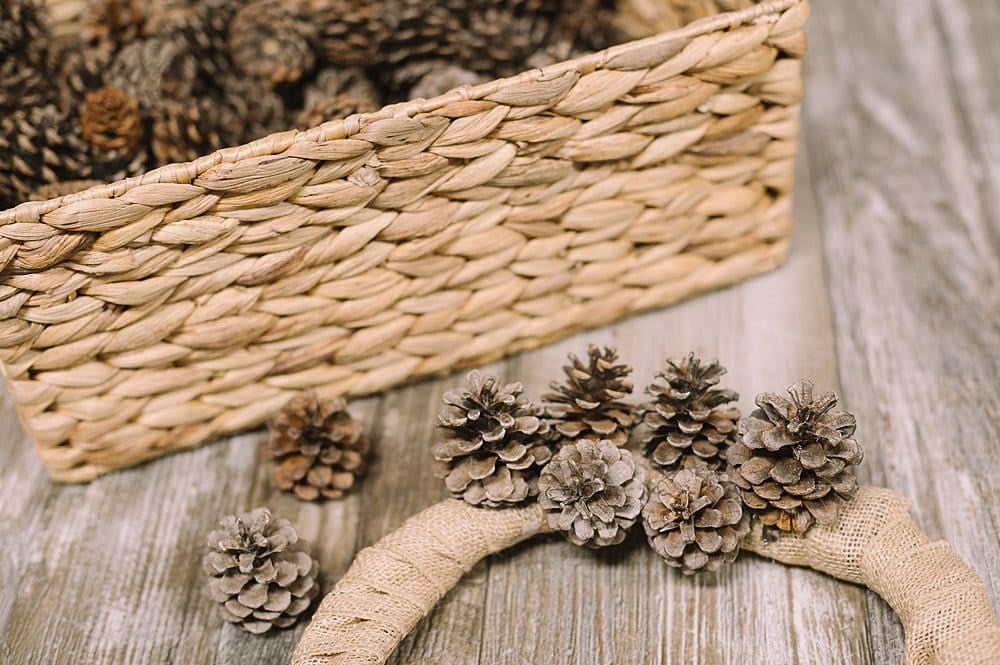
x: 870, y: 539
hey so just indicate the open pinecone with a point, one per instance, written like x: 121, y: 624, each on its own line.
x: 259, y: 571
x: 273, y: 41
x: 690, y: 421
x: 110, y: 119
x: 695, y: 520
x: 795, y: 463
x: 319, y: 450
x: 497, y: 445
x: 589, y: 404
x: 593, y: 492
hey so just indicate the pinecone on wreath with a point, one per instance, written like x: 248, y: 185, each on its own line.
x: 589, y: 404
x: 593, y: 492
x: 695, y: 520
x: 259, y: 571
x: 795, y: 464
x: 318, y: 449
x: 690, y: 422
x: 497, y: 447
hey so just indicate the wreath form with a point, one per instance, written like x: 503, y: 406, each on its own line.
x: 944, y: 608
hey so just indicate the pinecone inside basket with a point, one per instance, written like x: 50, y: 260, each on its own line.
x: 592, y: 492
x: 496, y: 446
x: 588, y: 405
x: 319, y: 450
x: 690, y: 422
x: 259, y: 571
x: 796, y: 462
x: 695, y: 520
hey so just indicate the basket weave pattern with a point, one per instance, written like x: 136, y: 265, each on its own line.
x: 154, y: 313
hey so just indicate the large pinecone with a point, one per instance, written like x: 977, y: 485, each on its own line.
x: 259, y: 571
x: 695, y: 520
x: 273, y: 41
x: 497, y: 447
x: 690, y: 421
x: 592, y: 492
x: 351, y: 32
x: 589, y: 404
x: 318, y: 449
x: 795, y: 463
x: 155, y: 70
x: 24, y: 80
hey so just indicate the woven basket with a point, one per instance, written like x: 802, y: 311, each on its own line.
x: 151, y: 314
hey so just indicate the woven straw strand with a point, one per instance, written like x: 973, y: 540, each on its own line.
x: 943, y: 606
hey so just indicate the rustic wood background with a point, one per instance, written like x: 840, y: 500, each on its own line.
x: 892, y: 294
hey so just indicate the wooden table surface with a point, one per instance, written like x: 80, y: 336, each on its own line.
x: 891, y: 296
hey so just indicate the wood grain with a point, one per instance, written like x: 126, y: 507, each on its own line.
x: 891, y: 294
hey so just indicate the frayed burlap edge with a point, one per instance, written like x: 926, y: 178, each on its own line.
x: 945, y: 611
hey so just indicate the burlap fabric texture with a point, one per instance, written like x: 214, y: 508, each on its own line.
x: 943, y: 606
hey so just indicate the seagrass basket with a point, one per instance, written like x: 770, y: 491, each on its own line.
x: 149, y: 315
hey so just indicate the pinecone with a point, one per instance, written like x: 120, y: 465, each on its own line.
x: 80, y: 72
x: 154, y: 71
x: 351, y: 32
x: 242, y: 111
x: 24, y: 79
x: 113, y: 23
x: 110, y: 119
x: 795, y: 463
x: 592, y: 492
x: 589, y: 26
x: 431, y: 78
x: 318, y: 449
x: 695, y: 520
x: 337, y: 92
x: 690, y: 422
x: 273, y: 41
x: 202, y: 26
x: 259, y: 571
x: 588, y: 405
x: 497, y: 447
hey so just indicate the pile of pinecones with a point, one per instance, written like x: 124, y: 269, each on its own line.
x: 788, y: 465
x: 151, y: 83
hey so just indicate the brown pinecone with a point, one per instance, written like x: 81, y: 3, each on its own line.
x: 24, y: 78
x: 592, y: 492
x: 259, y: 571
x: 695, y: 520
x: 273, y: 41
x: 795, y: 463
x: 350, y: 32
x: 690, y: 422
x: 589, y: 404
x: 154, y: 71
x: 497, y: 447
x: 113, y: 23
x: 337, y: 92
x: 110, y: 119
x: 430, y: 78
x: 319, y: 450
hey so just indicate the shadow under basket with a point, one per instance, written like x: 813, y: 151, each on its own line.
x: 149, y: 315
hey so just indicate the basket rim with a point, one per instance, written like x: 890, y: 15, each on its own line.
x: 274, y: 144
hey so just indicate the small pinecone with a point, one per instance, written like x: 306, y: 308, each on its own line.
x: 273, y: 41
x: 592, y: 492
x: 110, y: 119
x: 153, y: 71
x: 497, y: 447
x: 690, y: 422
x: 695, y: 520
x: 434, y: 77
x: 318, y: 449
x: 337, y: 92
x: 588, y: 405
x: 351, y: 32
x: 113, y: 23
x: 24, y: 79
x: 795, y: 464
x: 259, y: 571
